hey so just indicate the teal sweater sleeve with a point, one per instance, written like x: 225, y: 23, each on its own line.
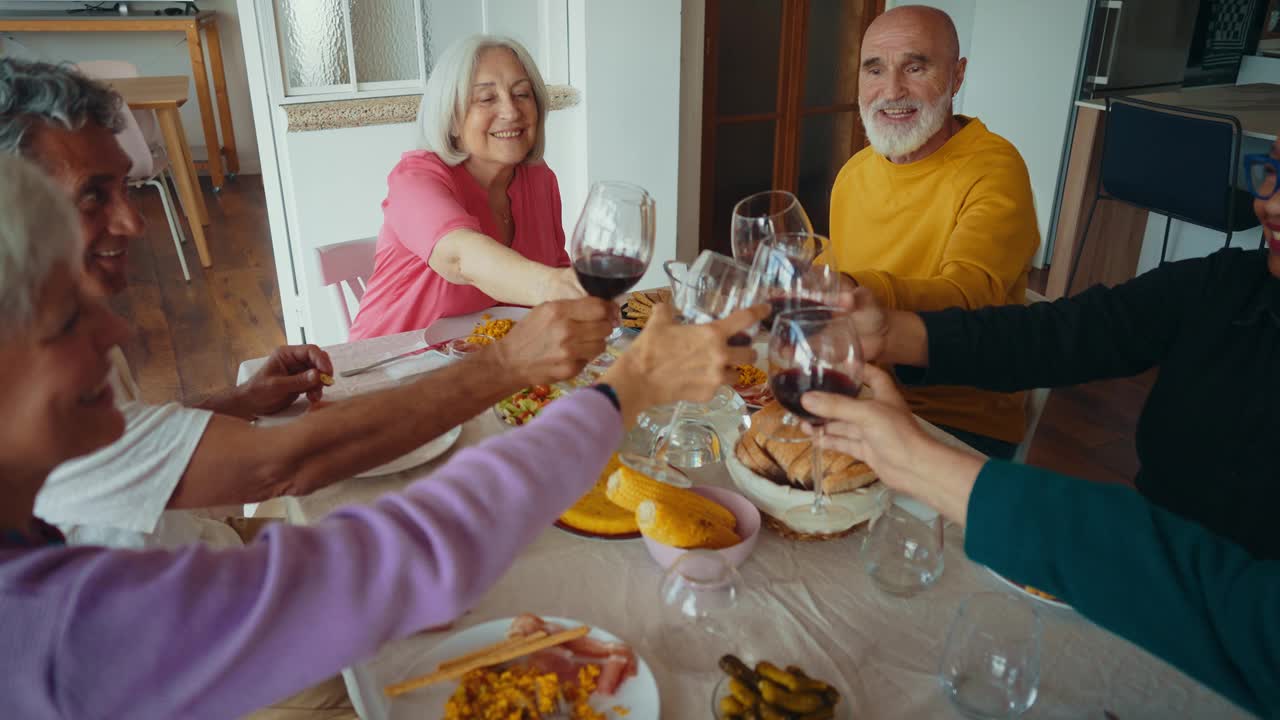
x: 1198, y: 601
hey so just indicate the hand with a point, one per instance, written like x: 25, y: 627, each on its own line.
x: 290, y: 371
x: 562, y: 284
x: 671, y: 362
x: 870, y: 320
x: 555, y: 340
x: 882, y: 432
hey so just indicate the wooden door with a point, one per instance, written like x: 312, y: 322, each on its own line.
x: 779, y: 103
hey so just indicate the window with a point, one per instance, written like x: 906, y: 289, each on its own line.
x: 342, y: 48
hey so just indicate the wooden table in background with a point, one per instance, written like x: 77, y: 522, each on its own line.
x: 164, y: 95
x: 1111, y: 255
x: 191, y: 26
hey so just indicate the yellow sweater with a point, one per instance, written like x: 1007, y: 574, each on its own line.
x: 957, y: 228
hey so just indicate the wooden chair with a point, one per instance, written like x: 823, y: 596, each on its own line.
x: 1036, y: 401
x: 347, y: 263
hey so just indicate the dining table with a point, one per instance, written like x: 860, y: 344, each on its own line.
x: 805, y: 603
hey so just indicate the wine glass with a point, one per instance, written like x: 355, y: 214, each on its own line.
x: 612, y: 243
x: 613, y: 240
x: 990, y: 665
x: 819, y: 286
x: 763, y: 215
x: 711, y: 288
x: 815, y: 349
x: 697, y: 598
x: 786, y: 274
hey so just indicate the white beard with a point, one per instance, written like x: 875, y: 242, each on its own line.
x: 895, y: 141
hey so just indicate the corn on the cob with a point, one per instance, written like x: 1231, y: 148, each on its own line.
x: 672, y: 526
x: 629, y: 488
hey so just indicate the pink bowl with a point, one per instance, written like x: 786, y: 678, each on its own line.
x: 748, y: 529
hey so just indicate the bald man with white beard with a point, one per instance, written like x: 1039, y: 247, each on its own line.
x: 938, y: 212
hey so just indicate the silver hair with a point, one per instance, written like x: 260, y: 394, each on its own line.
x: 38, y: 229
x: 56, y: 95
x: 444, y: 103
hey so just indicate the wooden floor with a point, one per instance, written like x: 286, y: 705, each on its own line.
x: 191, y: 338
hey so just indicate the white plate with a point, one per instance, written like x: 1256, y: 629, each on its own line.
x: 1023, y: 591
x: 639, y: 694
x: 452, y: 327
x: 424, y: 454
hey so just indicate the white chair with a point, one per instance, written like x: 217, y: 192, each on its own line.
x: 150, y: 162
x: 1036, y: 401
x: 347, y: 263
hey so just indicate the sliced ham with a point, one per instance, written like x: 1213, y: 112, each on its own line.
x: 617, y: 661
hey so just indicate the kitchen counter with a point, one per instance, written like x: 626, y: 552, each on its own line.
x: 362, y: 112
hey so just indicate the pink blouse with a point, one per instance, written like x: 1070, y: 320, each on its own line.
x: 427, y: 199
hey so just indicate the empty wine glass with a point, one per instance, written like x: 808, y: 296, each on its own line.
x: 815, y: 349
x: 713, y: 287
x: 990, y: 666
x: 903, y: 550
x: 698, y: 597
x: 763, y: 215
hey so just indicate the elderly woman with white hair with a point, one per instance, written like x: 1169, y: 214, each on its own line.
x: 92, y: 632
x: 472, y: 219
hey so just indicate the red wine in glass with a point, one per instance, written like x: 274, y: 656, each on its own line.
x: 607, y: 275
x: 791, y: 385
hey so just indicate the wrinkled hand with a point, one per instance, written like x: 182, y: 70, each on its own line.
x: 870, y: 320
x: 876, y: 428
x: 562, y: 284
x: 669, y: 362
x: 291, y: 370
x: 555, y: 340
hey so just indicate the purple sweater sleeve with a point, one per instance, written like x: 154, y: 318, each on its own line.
x: 206, y: 633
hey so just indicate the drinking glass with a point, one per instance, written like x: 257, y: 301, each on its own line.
x: 815, y: 349
x: 613, y: 240
x: 713, y: 287
x: 697, y: 600
x: 781, y: 273
x: 764, y: 215
x: 990, y: 666
x: 903, y: 550
x: 612, y: 243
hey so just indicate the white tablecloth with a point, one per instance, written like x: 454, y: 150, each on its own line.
x: 809, y: 603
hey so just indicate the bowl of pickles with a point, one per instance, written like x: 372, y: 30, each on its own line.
x: 770, y: 692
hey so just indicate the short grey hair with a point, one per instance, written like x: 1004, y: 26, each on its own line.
x: 444, y: 104
x: 38, y: 229
x: 56, y: 95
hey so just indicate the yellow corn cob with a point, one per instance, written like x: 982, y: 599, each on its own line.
x: 629, y: 488
x: 672, y: 526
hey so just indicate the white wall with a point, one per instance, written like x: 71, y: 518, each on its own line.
x: 154, y: 54
x: 632, y: 93
x: 1021, y: 80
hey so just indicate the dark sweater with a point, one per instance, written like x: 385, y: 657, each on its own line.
x: 1184, y: 594
x: 1209, y: 437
